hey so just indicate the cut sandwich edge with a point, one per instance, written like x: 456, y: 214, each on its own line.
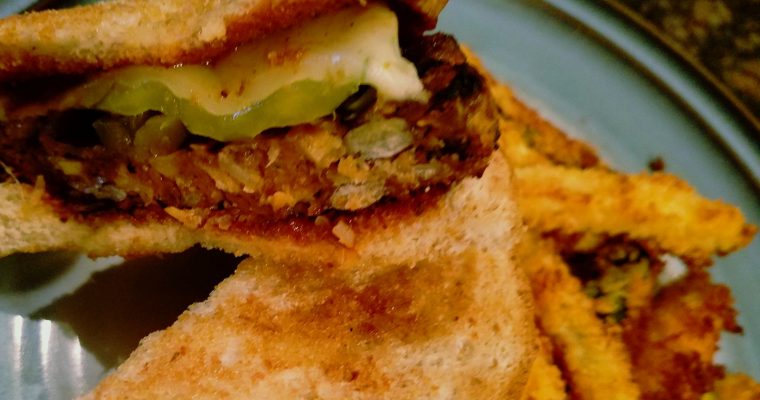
x: 471, y: 211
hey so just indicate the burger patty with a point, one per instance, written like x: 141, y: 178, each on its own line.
x: 366, y: 152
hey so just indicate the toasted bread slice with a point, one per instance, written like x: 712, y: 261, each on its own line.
x: 441, y: 312
x: 458, y: 328
x: 123, y: 32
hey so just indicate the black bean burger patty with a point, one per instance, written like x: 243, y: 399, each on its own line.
x: 365, y: 152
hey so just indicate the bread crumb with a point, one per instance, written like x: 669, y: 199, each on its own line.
x: 213, y: 30
x: 321, y: 220
x: 281, y: 199
x: 353, y: 168
x: 345, y: 234
x: 188, y: 218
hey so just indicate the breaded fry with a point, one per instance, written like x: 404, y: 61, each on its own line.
x: 595, y: 364
x: 545, y: 382
x: 659, y: 208
x: 529, y: 139
x: 619, y: 274
x: 736, y: 387
x: 672, y: 350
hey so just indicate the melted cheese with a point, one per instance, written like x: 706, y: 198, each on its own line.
x: 300, y: 74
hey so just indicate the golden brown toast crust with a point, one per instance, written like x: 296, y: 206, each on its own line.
x: 123, y: 32
x: 458, y: 328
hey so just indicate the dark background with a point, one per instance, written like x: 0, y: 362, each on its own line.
x: 721, y: 35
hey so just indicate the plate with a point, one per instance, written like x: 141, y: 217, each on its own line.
x: 66, y: 320
x: 14, y: 6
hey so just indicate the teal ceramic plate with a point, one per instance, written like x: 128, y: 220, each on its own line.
x: 14, y: 6
x: 581, y: 65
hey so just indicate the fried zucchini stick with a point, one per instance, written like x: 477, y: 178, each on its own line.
x: 673, y: 348
x: 735, y: 387
x: 545, y: 382
x: 655, y: 207
x: 595, y: 364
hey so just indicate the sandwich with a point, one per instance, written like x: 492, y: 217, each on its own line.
x: 348, y: 152
x: 132, y: 127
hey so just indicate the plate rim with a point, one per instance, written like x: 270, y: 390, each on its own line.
x: 595, y: 18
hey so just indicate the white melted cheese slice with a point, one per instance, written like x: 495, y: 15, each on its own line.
x: 355, y: 45
x: 334, y: 53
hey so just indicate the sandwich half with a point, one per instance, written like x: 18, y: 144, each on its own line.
x: 134, y: 127
x: 348, y: 152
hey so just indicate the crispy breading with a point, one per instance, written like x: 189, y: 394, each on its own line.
x: 660, y: 208
x: 595, y: 363
x: 736, y: 387
x: 619, y: 274
x: 545, y: 382
x: 672, y: 349
x: 121, y: 32
x: 529, y: 139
